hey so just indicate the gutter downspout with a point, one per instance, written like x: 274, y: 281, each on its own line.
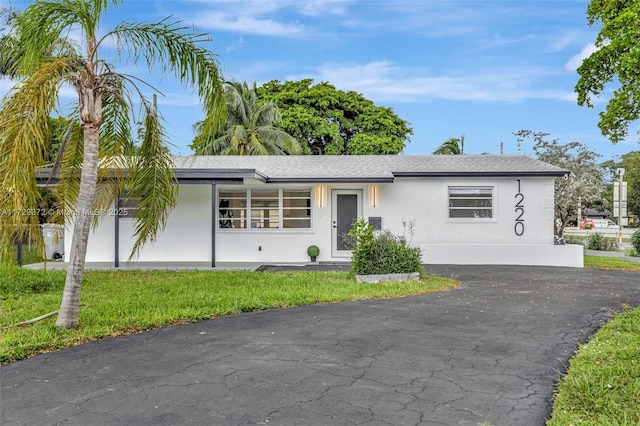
x: 116, y: 242
x: 213, y: 225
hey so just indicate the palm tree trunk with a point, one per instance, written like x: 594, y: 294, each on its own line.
x: 69, y: 308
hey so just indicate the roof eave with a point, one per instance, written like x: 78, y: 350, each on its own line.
x: 184, y: 175
x: 331, y: 180
x: 483, y: 174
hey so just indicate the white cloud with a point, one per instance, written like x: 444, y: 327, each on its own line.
x: 255, y: 6
x: 260, y: 7
x: 216, y: 20
x: 177, y: 99
x: 384, y: 81
x: 263, y: 17
x: 68, y: 92
x: 563, y: 41
x: 576, y: 60
x: 322, y: 7
x: 236, y: 45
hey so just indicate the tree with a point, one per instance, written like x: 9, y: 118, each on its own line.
x: 452, y: 146
x: 584, y: 183
x: 617, y: 61
x: 250, y: 128
x: 329, y: 121
x: 95, y: 169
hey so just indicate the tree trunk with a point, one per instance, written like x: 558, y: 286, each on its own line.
x: 91, y: 114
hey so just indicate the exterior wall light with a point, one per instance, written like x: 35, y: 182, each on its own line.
x: 373, y: 195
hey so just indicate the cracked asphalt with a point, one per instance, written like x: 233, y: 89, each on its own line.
x: 490, y: 351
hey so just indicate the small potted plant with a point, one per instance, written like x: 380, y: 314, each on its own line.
x: 313, y: 251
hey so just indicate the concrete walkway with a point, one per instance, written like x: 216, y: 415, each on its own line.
x: 490, y: 351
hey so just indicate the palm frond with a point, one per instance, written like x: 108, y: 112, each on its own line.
x: 41, y: 26
x: 179, y: 52
x: 255, y: 146
x: 278, y: 141
x: 116, y: 142
x: 68, y: 186
x: 24, y: 120
x: 10, y: 44
x: 452, y: 146
x: 116, y: 126
x: 152, y: 181
x: 268, y: 115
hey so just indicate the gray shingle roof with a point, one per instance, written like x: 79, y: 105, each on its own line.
x: 358, y: 168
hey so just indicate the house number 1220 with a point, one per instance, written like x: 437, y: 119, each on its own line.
x: 518, y: 228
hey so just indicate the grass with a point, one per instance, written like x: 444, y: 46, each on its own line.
x: 603, y: 383
x: 31, y: 253
x: 602, y: 262
x: 120, y: 302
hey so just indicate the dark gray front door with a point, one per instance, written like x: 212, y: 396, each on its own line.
x: 346, y: 209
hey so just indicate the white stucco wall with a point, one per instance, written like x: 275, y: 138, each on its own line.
x: 187, y: 236
x: 478, y: 241
x: 100, y: 247
x: 426, y: 202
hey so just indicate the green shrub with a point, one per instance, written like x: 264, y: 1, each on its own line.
x: 382, y: 252
x: 635, y: 242
x: 313, y: 251
x: 599, y: 242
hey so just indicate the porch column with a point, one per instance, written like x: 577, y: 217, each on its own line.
x: 213, y: 225
x: 116, y: 239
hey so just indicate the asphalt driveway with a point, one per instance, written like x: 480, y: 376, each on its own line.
x: 490, y: 351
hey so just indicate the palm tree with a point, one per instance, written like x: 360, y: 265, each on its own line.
x: 250, y: 128
x: 452, y: 146
x: 94, y: 167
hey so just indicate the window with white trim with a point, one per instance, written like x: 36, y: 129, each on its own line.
x: 296, y: 208
x: 264, y: 208
x: 232, y: 208
x: 471, y: 202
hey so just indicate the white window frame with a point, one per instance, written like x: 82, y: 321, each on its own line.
x: 308, y: 208
x: 227, y: 222
x: 250, y: 220
x: 472, y: 187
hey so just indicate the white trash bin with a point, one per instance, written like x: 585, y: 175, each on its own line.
x: 53, y: 236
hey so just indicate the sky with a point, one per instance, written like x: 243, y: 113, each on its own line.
x: 481, y: 68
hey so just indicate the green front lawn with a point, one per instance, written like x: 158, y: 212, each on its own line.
x: 31, y: 253
x: 602, y: 262
x: 602, y: 385
x: 119, y: 302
